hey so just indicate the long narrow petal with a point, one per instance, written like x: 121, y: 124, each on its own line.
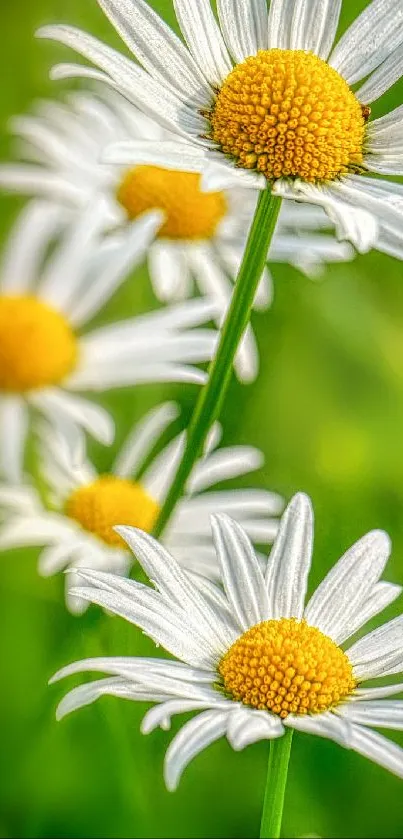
x: 383, y: 78
x: 369, y: 41
x: 23, y: 255
x: 204, y: 39
x: 195, y: 736
x: 382, y: 595
x: 242, y: 578
x: 169, y: 154
x: 246, y: 726
x: 379, y: 644
x: 142, y: 439
x: 280, y: 23
x: 158, y: 478
x: 337, y: 601
x: 377, y: 693
x: 58, y: 405
x: 160, y: 715
x: 157, y: 48
x: 244, y: 26
x: 290, y: 560
x: 314, y: 25
x: 131, y: 80
x: 13, y: 434
x: 381, y: 713
x: 224, y: 464
x: 86, y: 694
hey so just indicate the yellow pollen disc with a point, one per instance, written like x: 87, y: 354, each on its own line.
x: 190, y: 213
x: 110, y: 501
x: 287, y: 113
x: 286, y: 667
x: 37, y: 346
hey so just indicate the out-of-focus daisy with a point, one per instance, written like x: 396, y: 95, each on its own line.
x: 262, y: 97
x: 85, y: 506
x: 252, y: 657
x: 46, y: 300
x: 202, y: 236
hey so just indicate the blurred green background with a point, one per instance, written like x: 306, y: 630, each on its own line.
x: 327, y: 410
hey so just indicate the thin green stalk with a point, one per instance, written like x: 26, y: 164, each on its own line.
x: 213, y: 393
x: 277, y: 772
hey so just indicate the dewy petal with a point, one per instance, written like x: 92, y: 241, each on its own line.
x: 157, y: 48
x: 204, y: 39
x: 382, y: 79
x: 131, y: 80
x: 246, y: 726
x: 337, y: 601
x: 290, y: 560
x: 244, y: 26
x: 242, y: 578
x: 142, y: 439
x: 369, y: 41
x: 13, y: 434
x: 380, y: 713
x: 314, y: 25
x: 193, y: 737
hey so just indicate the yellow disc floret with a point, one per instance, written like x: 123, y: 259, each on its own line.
x: 37, y: 346
x: 109, y: 501
x: 287, y: 113
x: 286, y: 667
x: 189, y: 213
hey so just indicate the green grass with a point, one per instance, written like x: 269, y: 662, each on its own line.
x: 327, y: 410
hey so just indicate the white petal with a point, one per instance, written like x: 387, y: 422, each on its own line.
x: 169, y: 154
x: 129, y: 668
x: 383, y: 78
x: 290, y: 560
x: 204, y: 39
x: 373, y: 36
x: 174, y: 583
x: 166, y: 264
x: 218, y: 176
x: 124, y: 259
x: 280, y: 22
x: 246, y: 726
x: 382, y: 595
x: 222, y: 465
x: 365, y: 742
x: 314, y: 25
x: 142, y: 439
x: 48, y: 528
x: 30, y: 179
x: 380, y: 643
x: 157, y: 48
x: 377, y: 693
x: 89, y: 693
x: 244, y: 26
x: 58, y: 405
x: 131, y: 80
x: 242, y: 578
x: 158, y: 478
x: 55, y: 558
x: 161, y: 715
x: 380, y: 713
x: 13, y: 434
x: 338, y: 599
x: 23, y: 255
x: 193, y: 737
x: 19, y: 499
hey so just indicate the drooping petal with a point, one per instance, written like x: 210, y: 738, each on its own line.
x: 193, y: 738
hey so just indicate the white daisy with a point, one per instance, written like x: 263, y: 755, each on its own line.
x: 203, y: 235
x: 262, y: 97
x: 46, y: 300
x: 252, y: 657
x: 85, y: 506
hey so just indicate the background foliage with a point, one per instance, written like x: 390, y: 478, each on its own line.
x: 327, y: 410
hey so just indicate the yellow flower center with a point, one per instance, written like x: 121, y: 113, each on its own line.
x: 37, y: 346
x: 109, y: 501
x: 190, y: 213
x: 286, y: 667
x: 287, y: 113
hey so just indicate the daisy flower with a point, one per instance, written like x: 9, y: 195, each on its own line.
x: 202, y: 237
x: 46, y: 301
x: 252, y: 658
x: 263, y: 97
x: 78, y: 530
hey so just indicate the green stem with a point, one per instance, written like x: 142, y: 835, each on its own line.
x: 214, y: 391
x: 277, y: 772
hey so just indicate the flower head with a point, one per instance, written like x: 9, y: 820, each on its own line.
x: 202, y: 235
x: 262, y: 97
x: 79, y: 529
x: 253, y: 658
x: 46, y: 301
